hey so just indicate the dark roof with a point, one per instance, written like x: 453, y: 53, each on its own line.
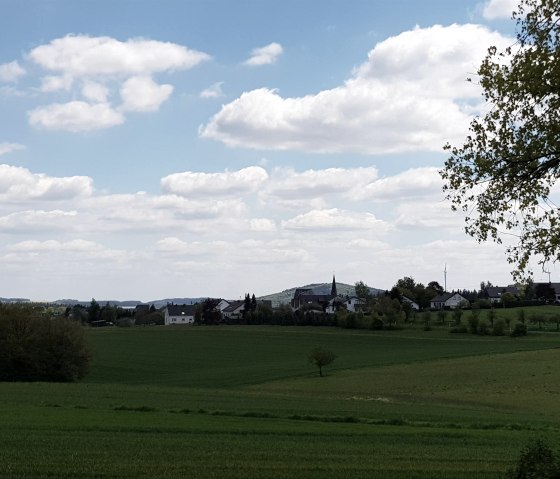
x: 181, y: 309
x: 496, y: 291
x: 233, y: 306
x: 442, y: 298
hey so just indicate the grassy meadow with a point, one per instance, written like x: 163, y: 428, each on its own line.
x: 243, y: 402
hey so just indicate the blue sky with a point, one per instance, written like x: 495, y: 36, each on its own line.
x: 186, y: 148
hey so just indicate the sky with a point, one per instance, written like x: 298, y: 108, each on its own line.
x: 183, y: 148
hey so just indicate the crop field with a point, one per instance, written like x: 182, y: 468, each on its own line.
x: 243, y: 402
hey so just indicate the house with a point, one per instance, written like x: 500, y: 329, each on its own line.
x: 447, y: 301
x: 351, y: 303
x: 413, y: 304
x: 494, y: 293
x: 304, y: 296
x: 234, y: 310
x: 179, y: 314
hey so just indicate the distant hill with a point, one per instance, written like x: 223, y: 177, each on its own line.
x: 158, y: 303
x: 14, y: 300
x: 284, y: 297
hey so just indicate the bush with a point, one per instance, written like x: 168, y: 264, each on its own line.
x: 40, y: 349
x: 473, y: 325
x: 377, y: 323
x: 536, y: 461
x: 483, y: 327
x: 519, y: 329
x: 499, y: 328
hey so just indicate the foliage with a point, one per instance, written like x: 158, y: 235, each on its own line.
x: 519, y: 329
x: 504, y: 171
x: 34, y: 348
x: 321, y: 357
x: 207, y: 312
x: 536, y: 461
x: 362, y: 290
x: 499, y: 328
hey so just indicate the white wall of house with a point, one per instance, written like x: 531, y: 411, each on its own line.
x: 182, y: 319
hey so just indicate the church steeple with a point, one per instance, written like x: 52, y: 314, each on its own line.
x: 333, y: 288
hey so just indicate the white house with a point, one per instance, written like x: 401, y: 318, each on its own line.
x: 179, y: 314
x: 352, y: 304
x: 413, y: 304
x: 447, y: 300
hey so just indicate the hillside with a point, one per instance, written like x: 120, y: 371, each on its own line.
x: 284, y: 297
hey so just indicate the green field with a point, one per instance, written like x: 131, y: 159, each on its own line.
x: 242, y: 402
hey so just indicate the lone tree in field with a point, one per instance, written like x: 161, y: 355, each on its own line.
x: 502, y: 176
x: 321, y: 357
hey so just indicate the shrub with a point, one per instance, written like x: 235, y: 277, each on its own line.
x: 499, y: 328
x: 40, y: 349
x: 483, y: 327
x: 536, y: 461
x: 521, y: 315
x: 377, y: 323
x: 473, y: 325
x: 519, y: 329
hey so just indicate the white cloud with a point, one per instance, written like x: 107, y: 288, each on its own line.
x: 95, y: 92
x: 290, y: 189
x: 412, y: 183
x: 422, y: 215
x: 78, y: 245
x: 334, y: 219
x: 191, y: 183
x: 80, y: 55
x: 6, y: 148
x: 499, y: 9
x: 75, y: 116
x: 263, y: 225
x: 99, y: 65
x: 11, y: 72
x: 143, y: 94
x: 265, y: 55
x: 410, y: 95
x: 33, y: 221
x: 213, y: 91
x: 52, y: 83
x: 20, y: 184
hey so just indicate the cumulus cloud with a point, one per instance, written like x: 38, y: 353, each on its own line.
x: 11, y: 72
x: 334, y: 219
x: 6, y: 148
x: 493, y: 9
x: 411, y: 94
x: 52, y: 83
x: 265, y: 55
x: 78, y: 245
x: 143, y: 94
x: 20, y: 184
x: 412, y: 183
x: 97, y: 65
x: 262, y: 225
x: 291, y: 189
x: 80, y: 55
x: 95, y: 92
x: 228, y: 183
x: 429, y: 215
x: 75, y: 116
x: 33, y: 221
x: 213, y: 91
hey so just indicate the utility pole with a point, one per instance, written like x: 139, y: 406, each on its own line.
x: 445, y: 278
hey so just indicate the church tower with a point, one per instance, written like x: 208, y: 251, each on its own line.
x: 333, y: 288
